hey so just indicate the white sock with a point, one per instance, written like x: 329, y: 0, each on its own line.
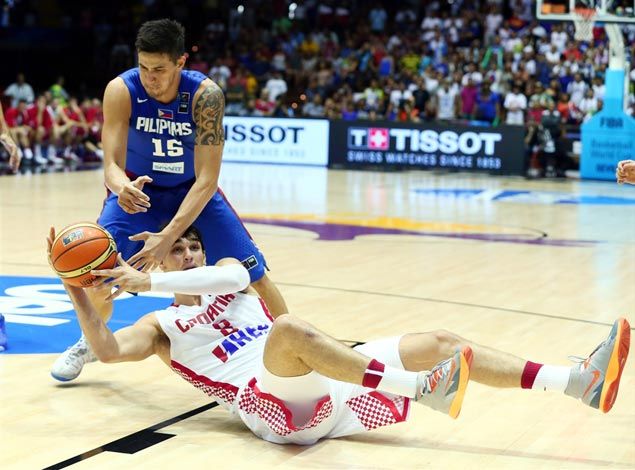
x: 28, y: 153
x: 553, y: 378
x: 390, y: 379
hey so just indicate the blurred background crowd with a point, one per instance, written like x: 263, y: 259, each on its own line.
x: 487, y: 62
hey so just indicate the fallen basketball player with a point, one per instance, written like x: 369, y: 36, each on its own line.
x: 291, y: 383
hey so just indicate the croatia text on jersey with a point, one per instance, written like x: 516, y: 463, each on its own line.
x: 235, y: 338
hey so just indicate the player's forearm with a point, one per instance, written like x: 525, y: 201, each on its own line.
x: 115, y: 177
x: 102, y: 341
x: 195, y: 200
x: 226, y: 279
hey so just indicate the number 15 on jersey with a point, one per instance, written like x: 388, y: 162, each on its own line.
x: 173, y: 147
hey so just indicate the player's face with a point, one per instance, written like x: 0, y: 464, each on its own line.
x: 185, y: 254
x: 159, y: 74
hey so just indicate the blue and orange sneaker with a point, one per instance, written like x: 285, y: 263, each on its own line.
x: 596, y: 379
x: 3, y: 334
x: 443, y: 388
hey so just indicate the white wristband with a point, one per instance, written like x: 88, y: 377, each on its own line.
x: 226, y: 279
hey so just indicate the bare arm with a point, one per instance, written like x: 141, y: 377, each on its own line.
x: 133, y: 343
x: 117, y: 109
x: 209, y: 109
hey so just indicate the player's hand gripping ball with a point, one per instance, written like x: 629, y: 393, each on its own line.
x: 80, y: 248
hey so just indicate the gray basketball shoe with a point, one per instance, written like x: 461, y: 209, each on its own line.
x: 595, y: 380
x: 443, y: 388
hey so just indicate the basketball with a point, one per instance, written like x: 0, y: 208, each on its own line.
x: 80, y: 248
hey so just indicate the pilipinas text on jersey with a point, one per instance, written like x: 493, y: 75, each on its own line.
x: 161, y: 136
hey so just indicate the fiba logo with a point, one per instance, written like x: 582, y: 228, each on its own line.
x: 373, y: 138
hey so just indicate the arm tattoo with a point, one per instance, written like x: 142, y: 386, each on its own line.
x: 208, y: 116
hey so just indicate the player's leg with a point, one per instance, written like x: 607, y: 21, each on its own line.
x: 421, y: 351
x: 224, y: 235
x: 38, y: 137
x: 595, y: 380
x: 296, y: 348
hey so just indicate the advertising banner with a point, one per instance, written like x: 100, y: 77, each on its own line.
x: 609, y: 136
x: 273, y: 140
x: 382, y: 144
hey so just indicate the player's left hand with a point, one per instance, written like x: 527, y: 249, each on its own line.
x: 124, y: 276
x: 155, y: 248
x: 14, y: 153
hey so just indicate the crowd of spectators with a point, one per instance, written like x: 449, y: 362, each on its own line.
x: 443, y: 61
x: 53, y: 127
x: 410, y: 61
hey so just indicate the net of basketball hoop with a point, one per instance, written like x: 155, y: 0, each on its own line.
x: 584, y: 19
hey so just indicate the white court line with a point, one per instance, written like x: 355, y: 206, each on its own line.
x: 31, y: 320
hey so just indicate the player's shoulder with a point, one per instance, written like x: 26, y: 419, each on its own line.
x: 117, y: 89
x: 208, y: 87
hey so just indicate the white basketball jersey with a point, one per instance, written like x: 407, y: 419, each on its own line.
x: 217, y: 346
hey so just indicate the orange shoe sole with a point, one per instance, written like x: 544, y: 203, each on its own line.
x: 616, y: 365
x: 464, y: 377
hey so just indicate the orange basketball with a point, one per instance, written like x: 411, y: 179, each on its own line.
x: 80, y: 248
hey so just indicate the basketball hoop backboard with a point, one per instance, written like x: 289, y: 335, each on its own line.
x: 606, y: 11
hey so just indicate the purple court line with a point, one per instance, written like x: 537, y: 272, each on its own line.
x: 332, y: 232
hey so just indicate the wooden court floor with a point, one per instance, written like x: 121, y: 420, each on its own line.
x: 537, y: 268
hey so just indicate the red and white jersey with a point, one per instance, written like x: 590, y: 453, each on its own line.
x: 218, y: 346
x: 39, y: 118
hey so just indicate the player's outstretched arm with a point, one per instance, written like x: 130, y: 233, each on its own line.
x: 133, y: 343
x: 229, y: 278
x: 209, y: 108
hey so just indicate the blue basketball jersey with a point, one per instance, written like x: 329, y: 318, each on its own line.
x: 161, y: 135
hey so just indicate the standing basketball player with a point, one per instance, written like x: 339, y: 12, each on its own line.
x: 163, y: 143
x: 291, y: 383
x: 9, y: 144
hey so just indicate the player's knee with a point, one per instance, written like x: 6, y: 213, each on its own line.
x: 290, y: 329
x: 446, y: 341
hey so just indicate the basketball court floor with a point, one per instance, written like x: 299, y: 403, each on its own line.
x: 537, y: 268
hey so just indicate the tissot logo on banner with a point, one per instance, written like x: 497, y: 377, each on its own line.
x: 497, y: 149
x: 271, y: 140
x: 413, y: 140
x: 373, y: 138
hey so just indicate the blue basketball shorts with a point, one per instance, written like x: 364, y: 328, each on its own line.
x: 224, y: 234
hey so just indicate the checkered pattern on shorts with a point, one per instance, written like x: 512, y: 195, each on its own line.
x: 273, y: 412
x: 375, y: 409
x: 218, y: 390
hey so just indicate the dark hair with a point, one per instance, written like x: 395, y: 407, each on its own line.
x: 192, y: 233
x: 163, y: 36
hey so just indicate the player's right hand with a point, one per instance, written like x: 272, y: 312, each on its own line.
x: 125, y: 277
x: 132, y: 199
x: 625, y: 172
